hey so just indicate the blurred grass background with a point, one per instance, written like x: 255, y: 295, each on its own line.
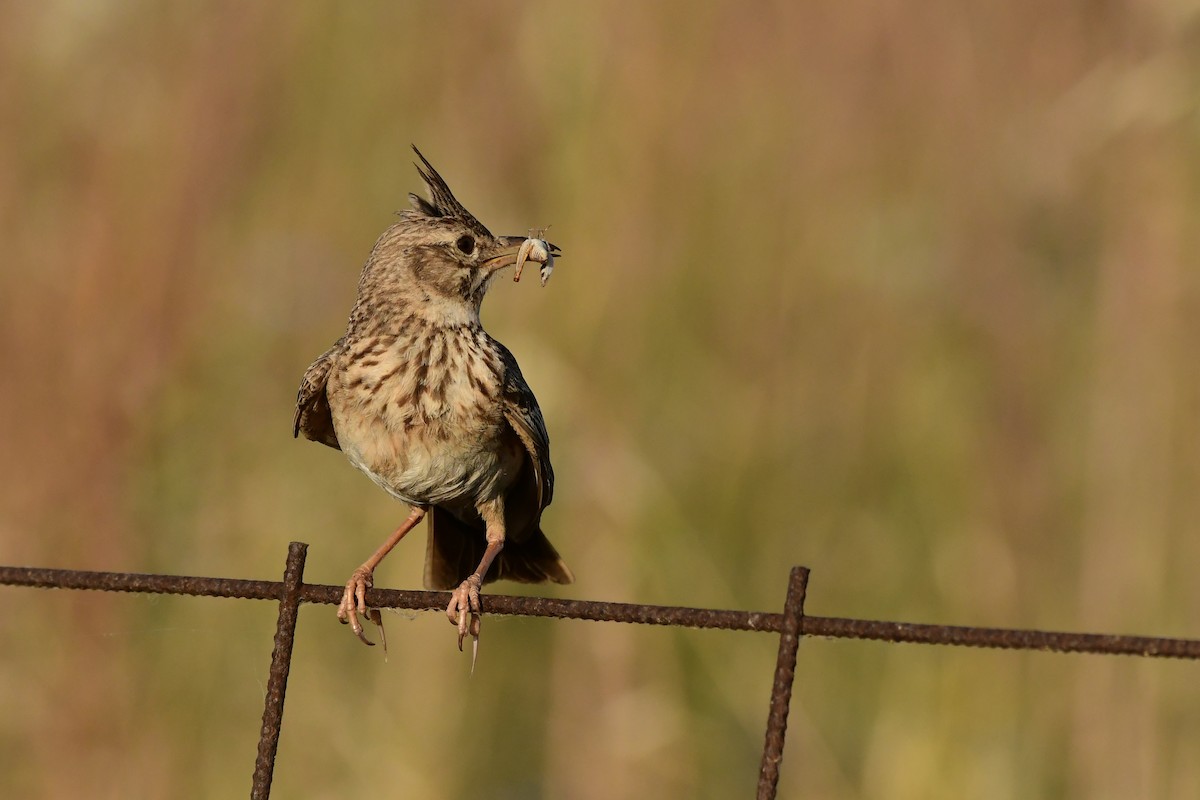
x: 905, y: 292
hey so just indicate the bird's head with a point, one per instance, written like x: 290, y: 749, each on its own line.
x: 438, y: 255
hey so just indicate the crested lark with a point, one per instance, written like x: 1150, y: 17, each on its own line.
x: 435, y: 411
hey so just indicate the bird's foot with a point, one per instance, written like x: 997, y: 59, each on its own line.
x: 463, y: 612
x: 354, y: 602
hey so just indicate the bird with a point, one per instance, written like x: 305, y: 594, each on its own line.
x: 434, y: 410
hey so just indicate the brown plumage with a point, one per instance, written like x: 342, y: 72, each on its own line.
x: 435, y: 411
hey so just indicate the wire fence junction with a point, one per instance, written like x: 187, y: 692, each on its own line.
x: 791, y: 624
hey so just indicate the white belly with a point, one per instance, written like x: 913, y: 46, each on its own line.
x: 421, y: 467
x: 431, y: 431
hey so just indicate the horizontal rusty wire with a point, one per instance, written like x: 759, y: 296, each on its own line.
x: 593, y: 610
x: 140, y: 582
x: 722, y: 619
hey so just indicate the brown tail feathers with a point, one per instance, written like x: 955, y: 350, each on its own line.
x: 455, y: 548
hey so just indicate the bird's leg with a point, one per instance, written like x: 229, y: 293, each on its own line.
x: 354, y: 599
x: 464, y: 607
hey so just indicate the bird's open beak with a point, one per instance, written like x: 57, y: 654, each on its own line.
x: 507, y: 257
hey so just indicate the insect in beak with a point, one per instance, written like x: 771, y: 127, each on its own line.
x: 536, y: 250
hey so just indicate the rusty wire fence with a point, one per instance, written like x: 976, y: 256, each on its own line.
x: 791, y: 625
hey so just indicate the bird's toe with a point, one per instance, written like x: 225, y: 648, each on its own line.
x: 354, y: 602
x: 464, y: 609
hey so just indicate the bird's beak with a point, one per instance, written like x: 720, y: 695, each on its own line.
x: 511, y: 247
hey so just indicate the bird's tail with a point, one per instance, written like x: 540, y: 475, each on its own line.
x: 455, y: 548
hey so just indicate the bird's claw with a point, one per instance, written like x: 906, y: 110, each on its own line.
x: 354, y: 603
x: 377, y: 618
x: 464, y: 612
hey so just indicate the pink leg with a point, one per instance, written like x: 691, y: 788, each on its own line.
x: 464, y: 606
x: 354, y: 599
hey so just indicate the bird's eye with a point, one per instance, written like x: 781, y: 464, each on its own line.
x: 466, y: 244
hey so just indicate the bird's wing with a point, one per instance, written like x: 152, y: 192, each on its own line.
x: 522, y: 413
x: 313, y: 417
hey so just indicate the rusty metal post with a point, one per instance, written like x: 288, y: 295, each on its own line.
x: 781, y: 690
x: 281, y: 664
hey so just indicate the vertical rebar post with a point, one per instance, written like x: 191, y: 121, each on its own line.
x: 781, y: 690
x: 281, y: 664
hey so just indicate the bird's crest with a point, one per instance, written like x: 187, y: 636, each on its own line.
x: 442, y: 202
